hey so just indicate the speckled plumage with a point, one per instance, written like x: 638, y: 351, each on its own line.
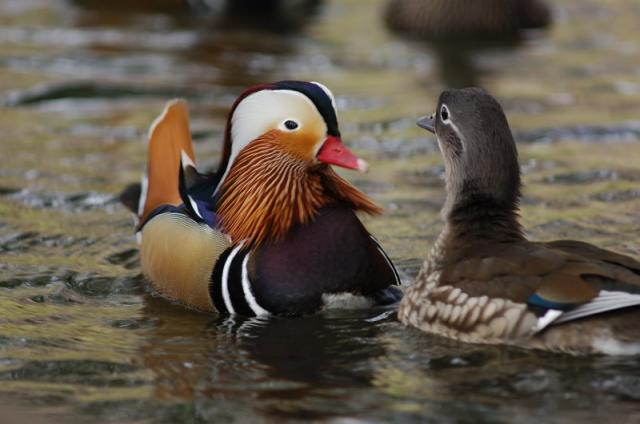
x: 483, y: 281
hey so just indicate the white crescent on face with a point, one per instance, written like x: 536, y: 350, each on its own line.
x: 266, y: 110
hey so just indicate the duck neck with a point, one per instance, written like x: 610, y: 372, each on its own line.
x: 267, y: 191
x: 473, y: 215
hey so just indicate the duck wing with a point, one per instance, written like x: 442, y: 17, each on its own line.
x: 623, y: 268
x: 601, y: 281
x: 550, y: 281
x: 196, y: 190
x: 169, y: 140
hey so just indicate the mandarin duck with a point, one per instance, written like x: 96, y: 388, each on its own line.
x: 274, y: 230
x: 462, y: 19
x: 280, y: 16
x: 484, y: 282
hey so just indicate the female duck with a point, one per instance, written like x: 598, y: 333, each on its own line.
x: 274, y: 231
x: 463, y: 19
x: 484, y: 282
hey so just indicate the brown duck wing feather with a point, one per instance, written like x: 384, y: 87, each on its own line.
x: 624, y: 268
x: 562, y: 270
x: 484, y: 297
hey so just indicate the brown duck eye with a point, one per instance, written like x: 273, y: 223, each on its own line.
x: 291, y: 125
x: 444, y: 113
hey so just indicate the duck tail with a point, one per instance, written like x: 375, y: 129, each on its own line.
x: 169, y: 141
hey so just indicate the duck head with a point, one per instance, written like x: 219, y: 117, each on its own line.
x: 275, y: 173
x: 481, y: 160
x: 300, y: 114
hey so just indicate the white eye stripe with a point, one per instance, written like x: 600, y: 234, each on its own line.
x: 457, y: 131
x: 445, y: 118
x: 261, y: 111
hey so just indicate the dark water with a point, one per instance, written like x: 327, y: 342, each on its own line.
x: 81, y: 340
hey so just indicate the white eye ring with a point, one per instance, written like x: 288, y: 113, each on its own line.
x: 445, y: 114
x: 289, y: 125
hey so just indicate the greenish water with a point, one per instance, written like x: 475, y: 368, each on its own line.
x: 80, y: 338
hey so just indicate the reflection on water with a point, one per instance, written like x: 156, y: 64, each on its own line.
x: 457, y: 67
x: 81, y: 339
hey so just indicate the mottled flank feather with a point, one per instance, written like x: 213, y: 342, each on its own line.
x: 268, y: 190
x: 453, y: 313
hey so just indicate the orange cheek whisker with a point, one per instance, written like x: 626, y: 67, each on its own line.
x: 268, y: 190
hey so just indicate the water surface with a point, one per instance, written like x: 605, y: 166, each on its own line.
x: 80, y: 337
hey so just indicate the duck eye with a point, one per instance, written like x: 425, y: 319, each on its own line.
x: 290, y: 125
x: 444, y: 113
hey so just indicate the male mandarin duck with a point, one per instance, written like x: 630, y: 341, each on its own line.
x: 274, y: 230
x: 484, y: 282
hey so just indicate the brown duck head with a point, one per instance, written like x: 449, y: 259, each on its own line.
x: 480, y: 155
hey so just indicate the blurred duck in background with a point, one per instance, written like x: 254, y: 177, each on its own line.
x: 271, y: 15
x: 457, y: 31
x: 280, y: 16
x: 463, y: 19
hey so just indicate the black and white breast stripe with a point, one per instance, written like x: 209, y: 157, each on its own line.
x: 231, y: 288
x: 384, y: 254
